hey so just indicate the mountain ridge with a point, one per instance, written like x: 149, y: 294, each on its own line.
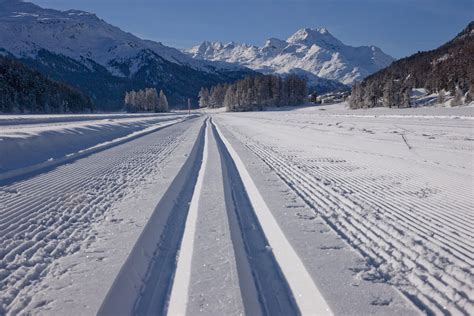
x: 78, y: 47
x: 315, y: 51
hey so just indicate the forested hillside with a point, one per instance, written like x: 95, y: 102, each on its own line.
x: 449, y: 67
x: 23, y: 90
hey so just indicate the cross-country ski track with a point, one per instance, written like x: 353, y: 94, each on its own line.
x: 219, y: 214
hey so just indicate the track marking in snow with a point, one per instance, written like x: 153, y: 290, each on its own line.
x: 307, y: 295
x: 52, y: 215
x: 180, y: 289
x: 143, y: 285
x: 417, y: 238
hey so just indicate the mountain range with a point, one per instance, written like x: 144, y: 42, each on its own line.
x: 102, y: 60
x: 313, y: 53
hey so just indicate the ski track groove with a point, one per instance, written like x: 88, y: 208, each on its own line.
x: 349, y: 215
x: 52, y: 226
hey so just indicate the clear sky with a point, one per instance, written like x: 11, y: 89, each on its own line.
x: 399, y: 27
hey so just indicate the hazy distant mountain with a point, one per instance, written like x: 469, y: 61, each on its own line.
x: 101, y: 59
x: 444, y: 68
x: 311, y: 52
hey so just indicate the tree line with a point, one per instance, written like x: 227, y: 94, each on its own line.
x: 256, y: 93
x: 23, y: 90
x: 146, y: 100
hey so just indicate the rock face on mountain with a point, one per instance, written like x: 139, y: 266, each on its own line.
x: 101, y: 59
x: 447, y: 68
x: 314, y: 53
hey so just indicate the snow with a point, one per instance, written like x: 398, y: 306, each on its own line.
x: 26, y: 28
x: 55, y: 139
x: 314, y: 51
x: 316, y: 208
x: 215, y: 286
x: 333, y: 265
x: 305, y: 292
x: 22, y: 119
x: 78, y: 229
x: 396, y: 185
x: 180, y: 291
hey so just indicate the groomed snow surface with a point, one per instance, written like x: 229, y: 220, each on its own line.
x: 316, y: 210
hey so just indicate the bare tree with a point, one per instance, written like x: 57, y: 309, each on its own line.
x: 163, y: 102
x: 441, y: 96
x: 204, y: 98
x: 457, y: 100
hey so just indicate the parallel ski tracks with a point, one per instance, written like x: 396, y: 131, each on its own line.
x: 411, y: 242
x: 44, y: 216
x: 269, y: 270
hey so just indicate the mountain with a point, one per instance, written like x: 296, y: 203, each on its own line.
x: 23, y: 90
x: 315, y: 53
x: 449, y: 67
x: 101, y: 59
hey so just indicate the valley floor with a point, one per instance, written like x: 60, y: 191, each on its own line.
x: 318, y: 210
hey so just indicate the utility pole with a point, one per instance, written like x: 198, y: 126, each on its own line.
x: 189, y: 106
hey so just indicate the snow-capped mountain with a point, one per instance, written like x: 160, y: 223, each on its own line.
x: 78, y: 39
x: 25, y: 28
x: 312, y: 51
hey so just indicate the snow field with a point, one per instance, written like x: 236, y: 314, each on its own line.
x: 47, y: 217
x: 53, y: 144
x: 296, y: 211
x: 333, y: 265
x: 11, y: 120
x: 413, y: 224
x: 305, y: 292
x: 206, y: 274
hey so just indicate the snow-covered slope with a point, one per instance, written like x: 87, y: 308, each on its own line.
x: 100, y: 59
x: 25, y: 28
x: 315, y: 51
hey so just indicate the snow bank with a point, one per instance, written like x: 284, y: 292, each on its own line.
x: 17, y: 119
x: 24, y: 148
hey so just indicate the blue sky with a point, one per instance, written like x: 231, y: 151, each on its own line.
x: 399, y: 27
